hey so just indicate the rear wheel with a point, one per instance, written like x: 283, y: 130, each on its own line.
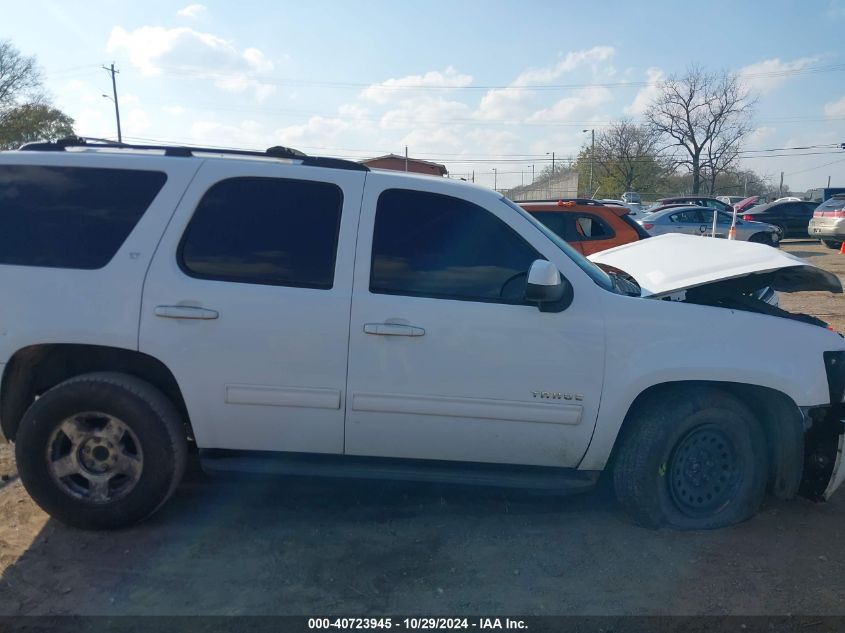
x: 832, y: 244
x: 101, y: 450
x: 762, y: 238
x: 691, y: 459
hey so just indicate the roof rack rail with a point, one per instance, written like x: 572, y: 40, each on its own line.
x: 581, y: 201
x: 184, y: 151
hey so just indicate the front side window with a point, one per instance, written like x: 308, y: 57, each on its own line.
x: 432, y: 245
x: 70, y: 217
x: 270, y: 231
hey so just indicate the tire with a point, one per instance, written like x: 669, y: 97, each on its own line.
x: 655, y: 473
x: 782, y: 230
x: 101, y: 450
x: 762, y: 238
x: 831, y: 244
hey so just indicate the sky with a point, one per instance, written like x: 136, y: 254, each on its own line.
x: 489, y: 88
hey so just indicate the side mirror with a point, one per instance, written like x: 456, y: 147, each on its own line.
x: 546, y: 288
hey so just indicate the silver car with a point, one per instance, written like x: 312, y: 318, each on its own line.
x: 699, y: 221
x: 828, y: 222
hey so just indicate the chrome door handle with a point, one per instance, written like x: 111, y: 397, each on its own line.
x: 185, y: 312
x: 393, y: 329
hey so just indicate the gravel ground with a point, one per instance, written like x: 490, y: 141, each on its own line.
x: 327, y: 547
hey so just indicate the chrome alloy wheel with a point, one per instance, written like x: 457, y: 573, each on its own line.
x: 95, y: 457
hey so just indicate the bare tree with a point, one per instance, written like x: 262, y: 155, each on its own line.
x: 20, y: 77
x: 627, y: 156
x: 703, y: 117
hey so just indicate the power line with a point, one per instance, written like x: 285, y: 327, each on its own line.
x: 384, y: 85
x: 841, y: 160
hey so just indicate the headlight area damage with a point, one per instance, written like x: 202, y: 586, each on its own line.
x: 824, y: 436
x: 721, y: 273
x: 745, y: 276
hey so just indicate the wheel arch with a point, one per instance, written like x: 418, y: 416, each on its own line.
x: 779, y: 415
x: 34, y: 369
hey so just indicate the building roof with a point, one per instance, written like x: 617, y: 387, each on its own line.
x: 436, y: 166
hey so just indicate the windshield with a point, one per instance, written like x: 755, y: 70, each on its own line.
x: 596, y: 274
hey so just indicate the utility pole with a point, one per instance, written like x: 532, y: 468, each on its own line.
x: 592, y: 157
x: 116, y: 106
x: 780, y: 188
x: 406, y: 158
x: 532, y: 174
x: 495, y: 181
x: 828, y: 181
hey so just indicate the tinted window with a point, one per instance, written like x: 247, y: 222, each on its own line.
x: 70, y: 217
x: 833, y: 203
x: 555, y: 221
x: 265, y: 231
x: 431, y: 245
x: 686, y: 217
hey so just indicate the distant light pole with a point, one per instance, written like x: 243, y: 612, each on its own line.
x: 114, y: 72
x: 532, y: 174
x: 553, y: 161
x: 495, y: 182
x: 592, y: 154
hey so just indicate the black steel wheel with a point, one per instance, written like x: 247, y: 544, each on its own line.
x: 691, y: 456
x: 704, y: 471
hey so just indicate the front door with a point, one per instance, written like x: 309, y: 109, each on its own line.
x: 447, y: 361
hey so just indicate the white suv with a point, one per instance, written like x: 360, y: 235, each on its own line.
x: 285, y: 313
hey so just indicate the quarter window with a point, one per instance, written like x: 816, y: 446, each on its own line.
x: 592, y: 228
x: 432, y: 245
x: 270, y: 231
x: 70, y: 217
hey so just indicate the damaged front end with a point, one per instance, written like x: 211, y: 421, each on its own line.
x: 824, y: 436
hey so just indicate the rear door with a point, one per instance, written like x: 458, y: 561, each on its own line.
x: 247, y: 302
x: 593, y: 233
x: 688, y: 221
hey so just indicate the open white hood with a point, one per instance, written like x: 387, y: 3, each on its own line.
x: 670, y: 263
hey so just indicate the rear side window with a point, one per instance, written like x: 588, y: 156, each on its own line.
x: 833, y: 203
x: 432, y: 245
x: 271, y: 231
x: 590, y: 227
x: 70, y: 217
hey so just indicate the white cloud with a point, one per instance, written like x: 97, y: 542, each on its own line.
x: 582, y: 101
x: 835, y: 108
x: 246, y: 134
x: 647, y: 94
x: 769, y: 74
x: 400, y: 88
x: 513, y: 101
x: 136, y: 122
x: 430, y: 112
x: 192, y: 11
x: 193, y: 54
x: 570, y: 62
x: 759, y: 136
x: 173, y: 110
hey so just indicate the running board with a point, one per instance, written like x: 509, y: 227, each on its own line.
x: 563, y: 480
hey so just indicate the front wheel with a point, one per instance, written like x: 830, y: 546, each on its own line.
x: 692, y: 459
x: 101, y: 450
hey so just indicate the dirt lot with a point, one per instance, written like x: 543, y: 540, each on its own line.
x: 327, y: 547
